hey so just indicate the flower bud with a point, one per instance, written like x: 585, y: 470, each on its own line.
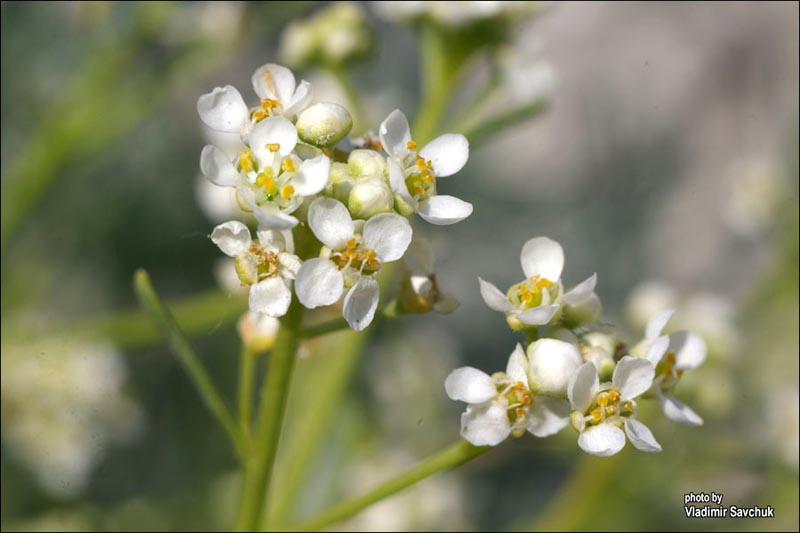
x: 583, y: 313
x: 367, y: 163
x: 324, y: 124
x: 551, y: 365
x: 340, y: 182
x: 257, y: 331
x: 368, y: 197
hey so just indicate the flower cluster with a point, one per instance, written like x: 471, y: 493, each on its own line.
x: 297, y: 170
x: 572, y: 371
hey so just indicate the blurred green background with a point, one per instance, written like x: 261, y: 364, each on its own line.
x: 668, y: 156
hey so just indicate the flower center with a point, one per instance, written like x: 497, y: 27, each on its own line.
x: 267, y: 262
x: 358, y: 257
x: 667, y: 376
x: 608, y: 407
x: 268, y: 105
x: 531, y: 292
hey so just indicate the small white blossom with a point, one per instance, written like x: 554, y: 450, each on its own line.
x: 671, y: 356
x: 352, y: 257
x: 528, y: 396
x: 413, y: 174
x: 420, y: 289
x: 537, y: 300
x: 224, y: 109
x: 599, y: 410
x: 268, y: 177
x: 266, y: 264
x: 258, y: 331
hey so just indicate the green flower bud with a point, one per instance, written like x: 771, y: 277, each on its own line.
x: 340, y: 182
x: 368, y: 197
x: 324, y: 124
x: 367, y: 163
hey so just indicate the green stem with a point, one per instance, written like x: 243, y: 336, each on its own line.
x: 354, y: 99
x: 439, y: 70
x: 390, y: 310
x: 183, y: 350
x: 270, y: 420
x: 445, y: 460
x: 247, y: 366
x: 485, y: 130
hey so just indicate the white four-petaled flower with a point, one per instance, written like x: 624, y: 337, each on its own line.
x: 413, y: 174
x: 354, y: 253
x: 535, y: 301
x: 266, y: 264
x: 599, y: 410
x: 528, y: 396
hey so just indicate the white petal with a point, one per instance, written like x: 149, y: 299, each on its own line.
x: 641, y: 436
x: 517, y: 367
x: 233, y: 238
x: 444, y: 210
x: 300, y: 99
x: 331, y: 223
x: 223, y: 109
x: 398, y: 183
x: 318, y: 283
x: 289, y: 265
x: 542, y: 257
x: 273, y: 219
x: 272, y: 130
x: 312, y: 175
x: 657, y: 350
x: 582, y: 387
x: 547, y: 416
x: 678, y: 412
x: 690, y: 350
x: 552, y: 365
x: 271, y: 297
x: 581, y: 292
x: 216, y: 166
x: 467, y: 384
x: 494, y: 298
x: 448, y: 154
x: 395, y: 134
x: 360, y: 304
x: 389, y: 235
x: 275, y: 82
x: 272, y: 238
x: 656, y: 324
x: 419, y: 256
x: 602, y: 439
x: 485, y: 424
x: 633, y: 376
x: 538, y: 316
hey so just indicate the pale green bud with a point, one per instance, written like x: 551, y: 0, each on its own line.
x: 324, y: 124
x: 368, y: 197
x: 367, y: 163
x: 584, y: 313
x: 340, y: 182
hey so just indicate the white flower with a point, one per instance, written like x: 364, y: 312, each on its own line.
x: 269, y: 179
x: 258, y: 331
x: 535, y: 301
x: 420, y: 289
x: 671, y: 356
x: 413, y: 174
x: 600, y: 410
x: 266, y: 264
x: 224, y: 109
x: 351, y: 258
x: 507, y: 403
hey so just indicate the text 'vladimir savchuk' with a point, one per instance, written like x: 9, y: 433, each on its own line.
x: 714, y: 508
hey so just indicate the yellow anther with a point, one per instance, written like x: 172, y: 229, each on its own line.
x: 268, y: 104
x: 602, y: 400
x: 351, y: 244
x: 428, y: 178
x: 613, y: 395
x: 411, y: 145
x: 527, y: 399
x: 542, y: 283
x: 246, y: 161
x: 418, y: 189
x: 420, y: 163
x: 287, y: 191
x: 288, y: 165
x: 610, y: 410
x: 266, y: 181
x: 520, y: 411
x: 629, y: 405
x: 273, y: 147
x: 597, y: 415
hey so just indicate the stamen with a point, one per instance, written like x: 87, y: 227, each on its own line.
x: 597, y: 415
x: 411, y: 145
x: 246, y: 161
x: 288, y: 165
x: 287, y: 191
x: 520, y: 411
x: 273, y: 147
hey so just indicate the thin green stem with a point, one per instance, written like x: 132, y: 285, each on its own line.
x: 354, y: 99
x: 270, y: 420
x: 485, y: 130
x: 445, y: 460
x: 247, y: 366
x: 390, y: 310
x: 438, y: 76
x: 191, y: 363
